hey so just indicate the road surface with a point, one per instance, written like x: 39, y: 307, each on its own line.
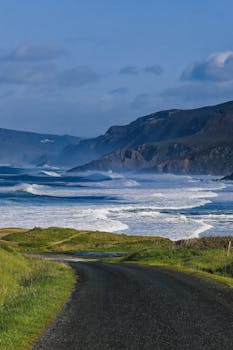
x: 117, y: 307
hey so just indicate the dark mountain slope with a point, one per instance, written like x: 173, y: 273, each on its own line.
x: 155, y: 127
x: 19, y: 147
x: 190, y: 141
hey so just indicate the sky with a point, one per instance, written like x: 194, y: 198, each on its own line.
x: 78, y: 67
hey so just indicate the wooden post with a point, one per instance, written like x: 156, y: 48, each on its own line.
x: 229, y: 249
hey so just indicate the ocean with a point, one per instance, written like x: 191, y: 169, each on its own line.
x: 173, y: 206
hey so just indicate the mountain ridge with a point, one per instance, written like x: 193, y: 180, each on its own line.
x: 181, y: 141
x: 31, y: 148
x: 177, y: 140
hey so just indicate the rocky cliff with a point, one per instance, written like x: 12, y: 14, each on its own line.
x: 179, y: 141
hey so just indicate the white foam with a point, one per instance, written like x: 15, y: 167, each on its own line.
x: 203, y: 228
x: 47, y: 166
x: 130, y: 183
x: 24, y: 187
x: 115, y: 175
x: 30, y: 188
x: 66, y: 216
x: 128, y: 191
x: 155, y: 206
x: 51, y: 173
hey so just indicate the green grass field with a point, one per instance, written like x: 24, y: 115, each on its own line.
x: 55, y: 239
x: 32, y: 291
x: 213, y: 261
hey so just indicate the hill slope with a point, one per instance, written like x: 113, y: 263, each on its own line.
x: 188, y: 141
x: 20, y: 147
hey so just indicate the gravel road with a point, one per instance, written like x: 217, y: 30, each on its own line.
x: 118, y: 306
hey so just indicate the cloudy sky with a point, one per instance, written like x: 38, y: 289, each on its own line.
x: 80, y: 66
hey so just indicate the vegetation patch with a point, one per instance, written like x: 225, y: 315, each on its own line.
x: 207, y: 254
x: 55, y: 239
x: 206, y: 261
x: 32, y: 291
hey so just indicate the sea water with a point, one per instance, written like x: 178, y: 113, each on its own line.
x: 173, y: 206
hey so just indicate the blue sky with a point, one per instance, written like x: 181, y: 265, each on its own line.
x: 79, y: 67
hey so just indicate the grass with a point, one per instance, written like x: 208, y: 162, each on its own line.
x: 55, y: 239
x: 210, y: 261
x: 205, y: 255
x: 7, y: 231
x: 32, y: 291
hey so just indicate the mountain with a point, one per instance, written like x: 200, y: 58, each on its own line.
x: 179, y: 141
x: 27, y: 148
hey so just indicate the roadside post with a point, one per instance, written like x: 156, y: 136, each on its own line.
x: 229, y: 249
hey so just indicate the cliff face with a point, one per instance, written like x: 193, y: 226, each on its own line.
x: 180, y: 141
x: 216, y: 160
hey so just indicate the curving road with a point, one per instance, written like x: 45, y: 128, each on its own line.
x: 117, y: 307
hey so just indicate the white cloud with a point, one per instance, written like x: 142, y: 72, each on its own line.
x: 216, y: 67
x: 31, y: 53
x: 78, y: 76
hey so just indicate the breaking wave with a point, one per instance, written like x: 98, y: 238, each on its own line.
x: 141, y: 204
x: 50, y: 173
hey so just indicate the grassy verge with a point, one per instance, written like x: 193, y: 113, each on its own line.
x: 32, y: 291
x: 206, y: 256
x: 220, y: 278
